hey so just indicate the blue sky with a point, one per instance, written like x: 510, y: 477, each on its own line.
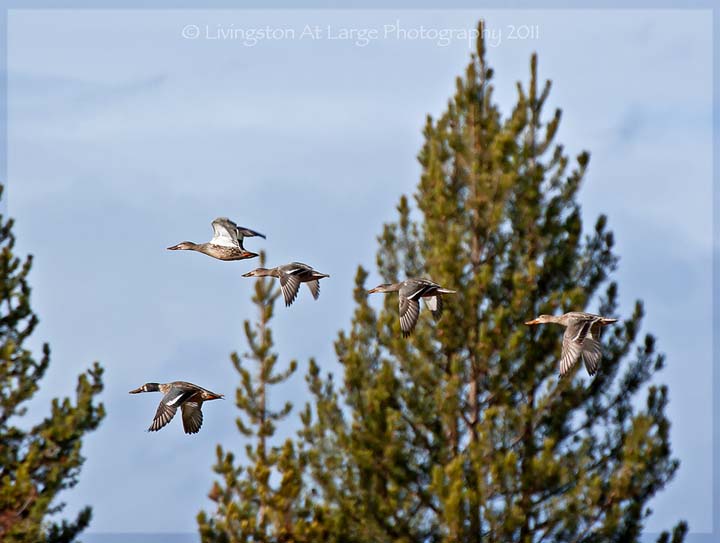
x: 125, y: 137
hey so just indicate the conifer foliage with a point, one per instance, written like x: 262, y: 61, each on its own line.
x: 260, y: 501
x: 36, y: 463
x: 464, y: 432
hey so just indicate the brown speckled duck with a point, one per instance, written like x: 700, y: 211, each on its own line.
x: 580, y: 340
x: 291, y: 275
x: 226, y: 243
x: 410, y: 291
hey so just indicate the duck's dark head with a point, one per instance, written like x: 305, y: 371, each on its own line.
x: 183, y: 246
x: 147, y: 387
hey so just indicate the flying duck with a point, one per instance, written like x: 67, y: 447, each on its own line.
x: 580, y: 340
x: 226, y: 243
x: 291, y: 275
x: 187, y: 396
x: 410, y: 291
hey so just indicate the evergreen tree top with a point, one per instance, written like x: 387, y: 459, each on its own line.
x: 464, y: 432
x: 39, y: 462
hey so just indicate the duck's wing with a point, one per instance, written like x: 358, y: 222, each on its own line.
x: 576, y: 334
x: 409, y: 311
x: 163, y: 415
x: 168, y: 407
x: 192, y: 417
x: 225, y: 233
x: 297, y: 268
x: 591, y: 348
x: 434, y: 304
x: 289, y: 284
x: 414, y: 288
x: 591, y: 355
x: 571, y: 345
x: 581, y: 316
x: 314, y: 287
x: 243, y: 232
x: 578, y: 329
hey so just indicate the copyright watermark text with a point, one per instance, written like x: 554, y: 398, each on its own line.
x: 359, y: 36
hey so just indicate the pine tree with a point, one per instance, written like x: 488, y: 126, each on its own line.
x: 263, y: 500
x: 36, y: 463
x: 464, y: 432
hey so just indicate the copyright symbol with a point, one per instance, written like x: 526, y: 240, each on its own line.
x: 190, y: 32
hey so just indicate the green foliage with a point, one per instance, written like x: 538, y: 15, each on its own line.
x: 36, y: 463
x: 464, y: 432
x: 261, y: 501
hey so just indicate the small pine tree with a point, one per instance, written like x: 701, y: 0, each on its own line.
x: 251, y: 506
x: 39, y: 462
x: 464, y: 433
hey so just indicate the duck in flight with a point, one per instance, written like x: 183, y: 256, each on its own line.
x: 291, y: 275
x: 226, y: 243
x: 410, y: 291
x: 580, y: 340
x: 187, y: 396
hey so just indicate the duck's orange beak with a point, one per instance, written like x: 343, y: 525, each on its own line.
x: 372, y: 290
x: 175, y: 247
x: 136, y: 391
x: 530, y: 323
